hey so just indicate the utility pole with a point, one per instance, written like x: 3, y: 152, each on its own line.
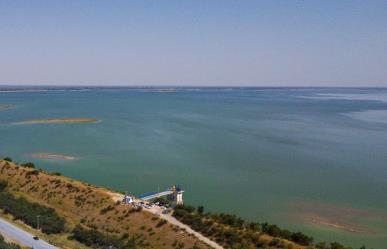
x: 37, y: 222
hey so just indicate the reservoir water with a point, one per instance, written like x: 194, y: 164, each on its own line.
x: 308, y: 159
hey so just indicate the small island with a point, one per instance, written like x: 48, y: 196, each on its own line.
x: 53, y: 156
x: 5, y: 107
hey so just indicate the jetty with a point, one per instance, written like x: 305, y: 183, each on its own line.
x: 174, y: 193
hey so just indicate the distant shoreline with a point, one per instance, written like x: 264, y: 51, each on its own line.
x: 46, y: 87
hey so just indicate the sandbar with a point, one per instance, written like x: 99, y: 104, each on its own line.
x: 342, y: 218
x: 59, y: 121
x: 5, y: 107
x: 53, y: 156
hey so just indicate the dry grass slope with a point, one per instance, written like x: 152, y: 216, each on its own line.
x: 91, y: 206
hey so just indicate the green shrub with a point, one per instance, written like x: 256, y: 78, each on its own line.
x: 274, y: 242
x: 162, y: 222
x: 232, y: 231
x: 301, y: 238
x: 5, y: 245
x: 28, y: 165
x: 3, y: 185
x: 27, y: 212
x: 95, y: 239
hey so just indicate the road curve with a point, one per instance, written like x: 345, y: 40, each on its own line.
x: 14, y: 233
x: 175, y: 222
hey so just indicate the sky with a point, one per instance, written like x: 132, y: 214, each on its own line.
x: 207, y: 43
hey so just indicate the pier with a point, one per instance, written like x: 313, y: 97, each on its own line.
x: 174, y: 193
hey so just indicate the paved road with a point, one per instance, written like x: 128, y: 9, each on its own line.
x: 12, y: 232
x: 156, y: 210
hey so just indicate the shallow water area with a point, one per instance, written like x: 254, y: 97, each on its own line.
x: 308, y: 159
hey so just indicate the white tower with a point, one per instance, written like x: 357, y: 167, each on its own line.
x: 177, y: 196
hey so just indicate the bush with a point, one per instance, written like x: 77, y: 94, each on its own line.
x: 95, y: 239
x: 32, y: 173
x: 8, y: 159
x: 27, y: 212
x: 230, y: 219
x: 336, y: 245
x: 3, y: 185
x: 5, y: 245
x: 200, y: 209
x: 274, y: 242
x: 301, y: 239
x: 28, y: 165
x: 232, y: 231
x: 186, y: 208
x: 106, y: 209
x: 162, y: 222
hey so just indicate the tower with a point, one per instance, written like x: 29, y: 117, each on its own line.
x: 177, y: 195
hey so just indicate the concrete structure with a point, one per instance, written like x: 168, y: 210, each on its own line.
x: 174, y: 194
x: 128, y: 199
x: 177, y: 195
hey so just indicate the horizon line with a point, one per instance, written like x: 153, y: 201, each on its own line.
x: 184, y: 86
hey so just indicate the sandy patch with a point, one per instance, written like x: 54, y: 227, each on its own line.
x: 5, y: 107
x: 60, y: 120
x: 373, y: 116
x: 337, y: 217
x: 53, y: 156
x: 336, y: 224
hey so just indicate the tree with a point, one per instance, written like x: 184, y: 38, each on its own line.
x: 336, y: 245
x: 27, y: 212
x: 321, y: 245
x: 200, y: 209
x: 28, y: 165
x: 301, y: 239
x: 3, y: 185
x: 5, y: 245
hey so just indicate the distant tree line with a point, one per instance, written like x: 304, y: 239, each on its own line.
x: 234, y: 232
x: 28, y: 212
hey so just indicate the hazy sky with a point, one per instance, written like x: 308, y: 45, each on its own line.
x: 261, y: 43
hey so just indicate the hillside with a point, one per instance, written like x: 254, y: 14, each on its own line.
x: 81, y: 203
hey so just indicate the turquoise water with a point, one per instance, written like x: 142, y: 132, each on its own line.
x: 313, y: 160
